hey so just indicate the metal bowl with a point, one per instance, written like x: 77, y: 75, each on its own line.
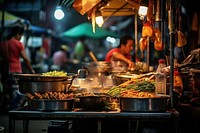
x: 99, y: 67
x: 51, y: 104
x: 143, y: 104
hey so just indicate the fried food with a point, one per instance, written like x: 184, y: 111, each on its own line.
x: 137, y: 94
x: 51, y: 95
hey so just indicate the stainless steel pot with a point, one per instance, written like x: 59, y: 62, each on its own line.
x: 51, y: 105
x: 143, y: 104
x: 42, y: 87
x: 99, y: 67
x: 31, y: 83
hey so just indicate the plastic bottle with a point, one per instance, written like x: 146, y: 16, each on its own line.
x: 178, y: 84
x: 160, y: 78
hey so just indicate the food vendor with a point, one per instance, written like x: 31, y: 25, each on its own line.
x: 11, y: 51
x: 122, y: 52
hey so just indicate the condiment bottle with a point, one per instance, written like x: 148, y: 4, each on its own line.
x: 178, y: 84
x: 160, y: 79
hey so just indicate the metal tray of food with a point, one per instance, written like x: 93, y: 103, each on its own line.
x: 51, y: 104
x: 143, y: 104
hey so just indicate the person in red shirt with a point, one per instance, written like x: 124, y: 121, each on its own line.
x: 11, y: 51
x: 122, y: 52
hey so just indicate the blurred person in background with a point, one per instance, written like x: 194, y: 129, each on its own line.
x: 80, y: 50
x: 60, y: 59
x: 122, y: 52
x: 40, y: 57
x: 11, y: 51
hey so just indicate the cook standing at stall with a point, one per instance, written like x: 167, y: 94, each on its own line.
x: 11, y: 52
x: 122, y: 52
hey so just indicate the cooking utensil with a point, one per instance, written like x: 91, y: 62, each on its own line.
x: 118, y: 66
x: 41, y: 86
x: 99, y: 67
x: 51, y: 104
x: 143, y: 104
x: 95, y: 61
x: 82, y: 73
x: 92, y: 56
x: 92, y: 102
x: 31, y: 83
x: 98, y: 64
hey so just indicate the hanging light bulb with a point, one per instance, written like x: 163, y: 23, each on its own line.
x: 143, y: 8
x: 59, y: 14
x: 99, y: 18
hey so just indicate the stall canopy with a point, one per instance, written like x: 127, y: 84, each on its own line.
x: 12, y: 20
x: 120, y: 8
x: 85, y: 30
x: 39, y: 30
x: 107, y: 7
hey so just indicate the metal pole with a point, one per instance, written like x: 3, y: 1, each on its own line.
x: 136, y: 35
x: 2, y: 22
x: 172, y: 27
x: 148, y: 55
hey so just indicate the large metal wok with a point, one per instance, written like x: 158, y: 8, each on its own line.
x: 31, y: 83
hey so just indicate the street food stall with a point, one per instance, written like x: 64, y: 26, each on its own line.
x: 155, y: 13
x: 59, y: 102
x: 54, y: 96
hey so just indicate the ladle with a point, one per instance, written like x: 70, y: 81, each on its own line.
x: 95, y: 59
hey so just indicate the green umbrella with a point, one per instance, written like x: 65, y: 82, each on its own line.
x: 86, y: 30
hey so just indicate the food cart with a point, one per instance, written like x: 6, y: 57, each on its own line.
x: 57, y: 103
x: 135, y: 120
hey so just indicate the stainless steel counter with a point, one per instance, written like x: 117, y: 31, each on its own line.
x: 25, y: 114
